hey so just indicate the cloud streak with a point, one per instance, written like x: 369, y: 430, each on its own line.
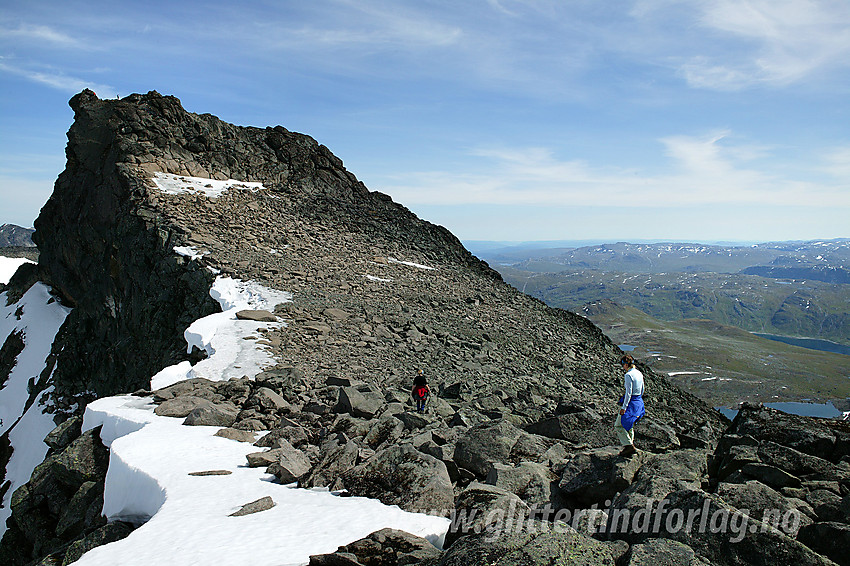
x: 703, y: 172
x: 40, y: 34
x: 782, y: 41
x: 58, y: 80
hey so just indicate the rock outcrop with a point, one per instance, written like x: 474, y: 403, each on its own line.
x: 58, y: 513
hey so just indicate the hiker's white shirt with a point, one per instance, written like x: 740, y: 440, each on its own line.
x: 633, y: 381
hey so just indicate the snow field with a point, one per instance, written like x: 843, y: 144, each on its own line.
x: 189, y: 515
x: 41, y: 317
x: 8, y: 267
x: 185, y: 519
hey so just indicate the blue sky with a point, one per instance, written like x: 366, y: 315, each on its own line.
x: 695, y: 120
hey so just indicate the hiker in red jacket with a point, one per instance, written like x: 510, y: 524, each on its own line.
x: 420, y: 391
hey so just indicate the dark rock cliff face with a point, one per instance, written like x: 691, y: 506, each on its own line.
x: 110, y: 255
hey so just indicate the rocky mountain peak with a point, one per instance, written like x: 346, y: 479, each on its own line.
x: 157, y: 205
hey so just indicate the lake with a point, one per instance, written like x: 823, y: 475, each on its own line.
x: 821, y: 410
x: 810, y: 343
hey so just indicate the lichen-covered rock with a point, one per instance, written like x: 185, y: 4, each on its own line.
x: 387, y: 547
x: 523, y: 548
x: 483, y: 445
x: 110, y: 532
x: 532, y: 482
x: 664, y: 552
x: 481, y: 507
x: 402, y: 475
x: 592, y: 476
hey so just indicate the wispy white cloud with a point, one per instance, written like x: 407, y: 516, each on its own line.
x: 58, y: 80
x: 41, y: 34
x: 703, y: 171
x: 360, y: 25
x: 780, y: 42
x: 838, y: 164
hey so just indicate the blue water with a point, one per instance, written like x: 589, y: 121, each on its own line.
x: 810, y: 343
x: 627, y: 347
x: 821, y: 410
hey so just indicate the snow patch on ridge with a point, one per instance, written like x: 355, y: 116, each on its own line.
x: 231, y: 344
x: 211, y: 188
x: 410, y: 264
x: 188, y: 517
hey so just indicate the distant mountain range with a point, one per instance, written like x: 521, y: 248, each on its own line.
x: 15, y: 236
x: 684, y: 308
x: 678, y: 257
x: 785, y: 288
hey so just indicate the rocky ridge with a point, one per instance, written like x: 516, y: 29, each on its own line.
x: 521, y: 417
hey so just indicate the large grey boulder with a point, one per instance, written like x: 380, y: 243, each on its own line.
x: 804, y: 434
x: 414, y: 421
x: 181, y: 406
x: 334, y: 460
x: 267, y: 401
x: 576, y: 426
x: 662, y: 474
x: 597, y: 475
x: 196, y: 387
x: 531, y: 481
x: 387, y: 429
x: 770, y: 475
x: 758, y: 499
x: 481, y: 507
x: 237, y: 435
x: 291, y: 465
x: 256, y: 315
x: 294, y: 435
x: 486, y: 444
x: 65, y: 433
x: 214, y: 414
x: 387, y: 547
x: 664, y: 552
x: 799, y: 463
x: 359, y: 401
x: 402, y: 475
x: 729, y: 537
x: 263, y: 459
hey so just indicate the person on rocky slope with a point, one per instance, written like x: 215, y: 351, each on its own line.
x: 631, y: 405
x: 420, y: 391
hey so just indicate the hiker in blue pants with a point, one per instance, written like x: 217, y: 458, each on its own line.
x: 631, y: 406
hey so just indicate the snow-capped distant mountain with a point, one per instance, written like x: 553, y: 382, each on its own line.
x: 15, y: 236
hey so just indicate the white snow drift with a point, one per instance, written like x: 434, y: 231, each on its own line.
x: 186, y: 519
